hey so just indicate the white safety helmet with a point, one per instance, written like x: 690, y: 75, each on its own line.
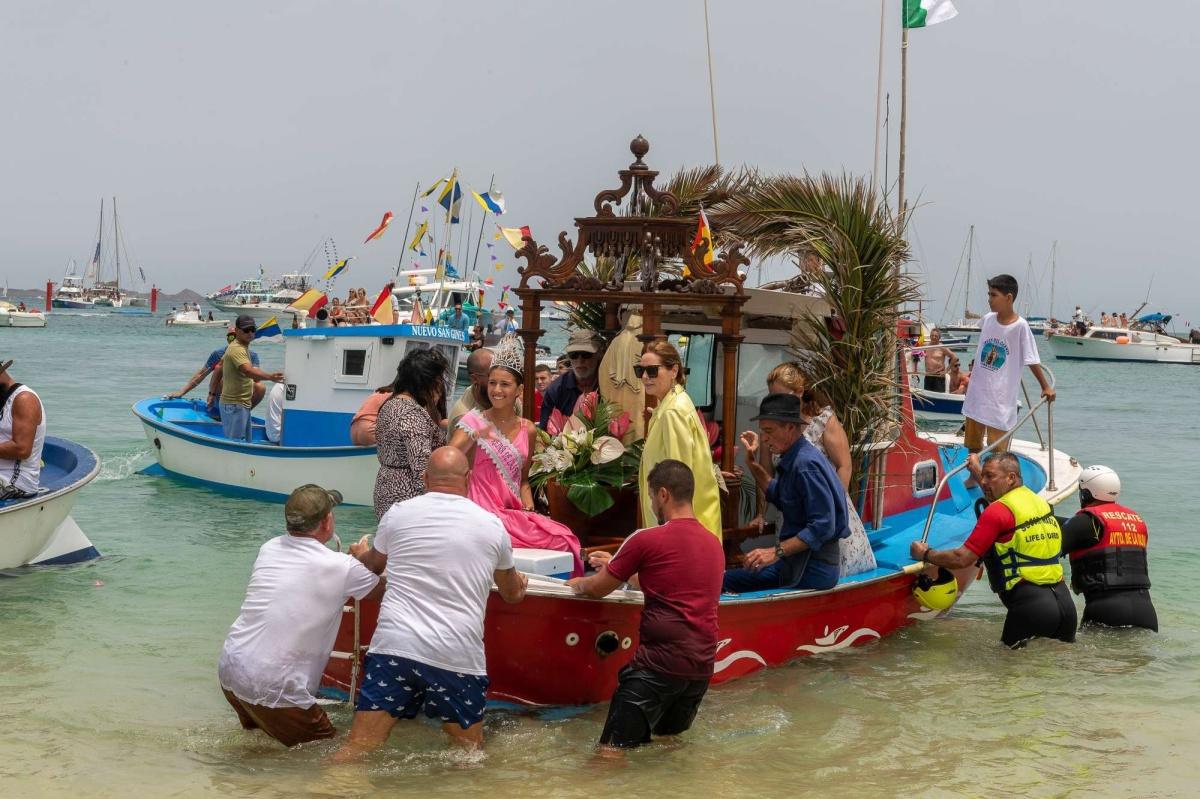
x: 1100, y: 483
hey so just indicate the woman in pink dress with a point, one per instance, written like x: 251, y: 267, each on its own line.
x: 499, y: 444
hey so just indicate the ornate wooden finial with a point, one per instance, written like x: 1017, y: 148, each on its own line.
x: 639, y: 147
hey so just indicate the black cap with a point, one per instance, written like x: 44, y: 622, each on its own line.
x: 245, y: 322
x: 781, y: 408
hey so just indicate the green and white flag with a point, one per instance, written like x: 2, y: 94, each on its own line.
x: 923, y: 13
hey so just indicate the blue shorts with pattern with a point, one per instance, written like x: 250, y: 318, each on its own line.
x: 404, y: 687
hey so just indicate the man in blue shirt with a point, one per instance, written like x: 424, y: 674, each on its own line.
x: 214, y: 387
x: 807, y: 492
x: 458, y: 320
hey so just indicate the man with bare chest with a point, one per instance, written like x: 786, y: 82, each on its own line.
x: 936, y: 361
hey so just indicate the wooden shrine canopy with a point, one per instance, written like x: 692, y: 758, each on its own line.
x: 641, y: 235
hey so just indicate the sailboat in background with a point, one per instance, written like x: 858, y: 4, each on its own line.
x: 967, y: 326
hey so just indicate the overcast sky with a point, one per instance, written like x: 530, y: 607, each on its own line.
x: 234, y: 135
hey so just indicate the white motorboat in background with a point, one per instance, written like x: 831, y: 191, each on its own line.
x: 39, y: 530
x: 262, y: 301
x: 191, y: 317
x: 12, y: 316
x: 1142, y: 342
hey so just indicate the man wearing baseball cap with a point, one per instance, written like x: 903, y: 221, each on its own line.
x: 584, y: 349
x: 238, y: 374
x: 22, y: 432
x: 277, y: 648
x: 214, y: 385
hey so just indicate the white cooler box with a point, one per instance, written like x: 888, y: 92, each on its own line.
x: 546, y: 562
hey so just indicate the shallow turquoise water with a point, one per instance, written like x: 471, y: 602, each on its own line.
x: 108, y: 684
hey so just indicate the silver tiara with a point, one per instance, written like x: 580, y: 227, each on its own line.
x: 510, y: 354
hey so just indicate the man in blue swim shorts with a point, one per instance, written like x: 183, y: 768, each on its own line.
x: 442, y: 552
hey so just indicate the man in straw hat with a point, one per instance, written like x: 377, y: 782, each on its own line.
x: 22, y: 432
x: 277, y: 648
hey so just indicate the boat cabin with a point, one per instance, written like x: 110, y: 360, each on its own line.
x: 330, y: 371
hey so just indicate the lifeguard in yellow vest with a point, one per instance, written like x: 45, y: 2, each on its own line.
x: 1019, y: 541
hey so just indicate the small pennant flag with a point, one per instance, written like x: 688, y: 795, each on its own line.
x: 415, y: 244
x: 432, y: 189
x: 451, y: 199
x: 514, y: 235
x: 338, y: 268
x: 377, y: 232
x: 489, y: 282
x: 490, y: 201
x: 381, y: 311
x: 923, y: 13
x: 269, y: 329
x: 424, y: 209
x: 143, y: 274
x: 490, y: 245
x: 310, y: 301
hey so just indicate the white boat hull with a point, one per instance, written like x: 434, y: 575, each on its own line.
x: 29, y: 527
x: 261, y: 311
x: 262, y: 471
x: 22, y: 319
x: 1095, y: 349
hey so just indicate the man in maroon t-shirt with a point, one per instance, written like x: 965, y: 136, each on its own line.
x: 678, y: 566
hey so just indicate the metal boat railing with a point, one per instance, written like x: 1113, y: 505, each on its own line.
x: 1050, y: 485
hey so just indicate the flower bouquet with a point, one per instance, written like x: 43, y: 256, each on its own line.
x: 584, y: 455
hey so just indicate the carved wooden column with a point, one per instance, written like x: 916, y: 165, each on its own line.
x: 530, y: 332
x: 731, y: 337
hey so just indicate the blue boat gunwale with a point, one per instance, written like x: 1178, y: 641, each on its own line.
x: 82, y: 472
x: 143, y: 410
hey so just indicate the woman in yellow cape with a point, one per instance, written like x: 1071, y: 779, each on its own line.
x: 674, y: 433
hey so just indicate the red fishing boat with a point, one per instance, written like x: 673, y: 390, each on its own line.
x: 555, y: 648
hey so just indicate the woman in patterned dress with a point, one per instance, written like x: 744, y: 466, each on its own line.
x: 409, y: 428
x: 826, y: 433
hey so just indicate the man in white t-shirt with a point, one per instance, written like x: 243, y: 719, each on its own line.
x: 277, y: 648
x: 1006, y: 344
x: 442, y: 553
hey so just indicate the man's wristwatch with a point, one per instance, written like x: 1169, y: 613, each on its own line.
x: 779, y: 550
x: 925, y: 555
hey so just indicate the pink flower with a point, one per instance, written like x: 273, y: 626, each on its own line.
x: 618, y: 427
x: 586, y: 406
x: 556, y: 422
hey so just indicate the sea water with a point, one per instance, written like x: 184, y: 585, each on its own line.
x: 108, y: 682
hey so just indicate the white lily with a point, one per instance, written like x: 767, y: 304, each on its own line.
x: 606, y: 449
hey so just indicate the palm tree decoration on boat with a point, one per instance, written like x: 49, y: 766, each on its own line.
x: 849, y: 249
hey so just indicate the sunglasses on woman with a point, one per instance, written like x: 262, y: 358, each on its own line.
x: 652, y: 371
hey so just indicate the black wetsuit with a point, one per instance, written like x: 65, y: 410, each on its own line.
x: 1111, y: 607
x: 1037, y: 611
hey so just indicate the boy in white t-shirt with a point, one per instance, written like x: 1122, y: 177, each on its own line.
x: 1005, y: 345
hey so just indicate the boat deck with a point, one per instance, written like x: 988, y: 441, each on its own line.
x: 191, y: 416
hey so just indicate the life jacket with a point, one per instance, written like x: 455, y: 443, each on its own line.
x: 1030, y: 549
x: 1118, y: 560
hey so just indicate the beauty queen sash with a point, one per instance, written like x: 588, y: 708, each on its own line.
x: 504, y: 455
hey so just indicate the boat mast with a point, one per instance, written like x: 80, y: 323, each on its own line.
x: 1053, y: 265
x: 903, y: 125
x: 94, y: 270
x: 117, y: 248
x: 967, y: 282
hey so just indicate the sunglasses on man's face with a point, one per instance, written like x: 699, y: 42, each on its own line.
x: 580, y: 356
x: 651, y: 371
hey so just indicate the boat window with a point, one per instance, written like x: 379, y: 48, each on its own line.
x: 696, y: 352
x: 755, y: 362
x: 1110, y: 335
x: 354, y: 362
x: 924, y: 478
